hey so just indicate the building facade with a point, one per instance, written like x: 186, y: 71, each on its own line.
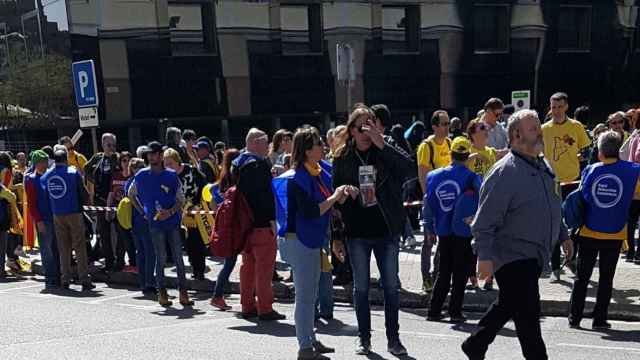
x: 221, y: 66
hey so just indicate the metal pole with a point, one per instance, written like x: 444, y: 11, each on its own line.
x: 39, y: 27
x: 94, y: 140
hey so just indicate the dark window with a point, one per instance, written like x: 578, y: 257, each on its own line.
x: 301, y: 27
x: 193, y: 28
x: 491, y: 28
x: 638, y: 32
x: 574, y: 28
x: 401, y: 29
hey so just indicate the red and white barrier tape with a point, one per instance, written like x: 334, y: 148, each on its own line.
x: 113, y: 209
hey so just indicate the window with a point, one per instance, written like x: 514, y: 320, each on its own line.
x: 301, y: 27
x: 491, y: 28
x: 574, y: 28
x: 638, y: 32
x: 401, y: 29
x: 193, y: 29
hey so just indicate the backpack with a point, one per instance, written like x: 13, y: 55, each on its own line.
x: 432, y: 149
x: 124, y: 213
x: 232, y: 225
x: 573, y: 209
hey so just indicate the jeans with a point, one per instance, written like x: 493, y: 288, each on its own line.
x: 223, y: 276
x: 196, y: 251
x: 70, y: 236
x: 324, y: 303
x: 305, y: 263
x: 50, y: 254
x: 518, y: 299
x: 3, y: 248
x: 125, y: 244
x: 608, y: 252
x: 145, y: 255
x: 386, y: 252
x: 455, y: 258
x: 632, y: 224
x: 161, y: 238
x: 408, y: 230
x: 256, y: 271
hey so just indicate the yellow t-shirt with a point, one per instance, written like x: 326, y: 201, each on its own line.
x: 562, y: 144
x: 441, y: 156
x: 483, y: 161
x: 77, y: 160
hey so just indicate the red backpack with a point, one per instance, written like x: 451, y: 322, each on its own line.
x: 234, y: 221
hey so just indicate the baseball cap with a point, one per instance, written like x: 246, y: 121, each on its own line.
x: 201, y: 145
x: 155, y: 147
x: 461, y: 145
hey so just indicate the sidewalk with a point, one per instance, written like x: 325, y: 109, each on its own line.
x: 625, y: 304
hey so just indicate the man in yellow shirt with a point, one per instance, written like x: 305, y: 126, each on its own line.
x: 564, y: 139
x: 433, y: 153
x: 75, y: 159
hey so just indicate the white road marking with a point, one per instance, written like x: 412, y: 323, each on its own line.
x: 423, y: 334
x: 20, y: 288
x: 615, y: 348
x: 109, y: 298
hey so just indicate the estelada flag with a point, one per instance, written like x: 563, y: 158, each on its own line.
x: 29, y: 233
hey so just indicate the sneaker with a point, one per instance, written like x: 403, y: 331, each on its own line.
x: 427, y: 285
x: 249, y: 315
x: 271, y: 316
x: 637, y: 261
x: 410, y: 242
x: 363, y: 346
x: 488, y: 286
x: 321, y: 349
x: 573, y: 324
x: 396, y: 348
x: 601, y: 325
x: 435, y: 317
x: 310, y: 354
x: 219, y: 304
x: 556, y: 276
x: 150, y: 291
x: 466, y: 349
x: 198, y: 277
x: 88, y: 287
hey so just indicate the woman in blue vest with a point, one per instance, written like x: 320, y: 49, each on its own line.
x: 607, y: 189
x: 304, y: 199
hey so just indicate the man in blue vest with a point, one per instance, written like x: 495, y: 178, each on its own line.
x: 67, y: 195
x: 607, y: 189
x: 40, y: 211
x: 444, y: 187
x: 157, y: 193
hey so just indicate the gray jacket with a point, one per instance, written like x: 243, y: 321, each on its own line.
x: 519, y: 215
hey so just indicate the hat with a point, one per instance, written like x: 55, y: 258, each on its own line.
x: 39, y: 155
x: 461, y: 145
x: 155, y: 147
x: 201, y: 145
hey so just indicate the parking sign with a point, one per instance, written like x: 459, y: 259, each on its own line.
x: 84, y: 83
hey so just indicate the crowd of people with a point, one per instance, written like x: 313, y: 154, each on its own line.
x: 326, y: 203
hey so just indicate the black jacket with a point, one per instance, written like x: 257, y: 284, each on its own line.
x: 393, y: 167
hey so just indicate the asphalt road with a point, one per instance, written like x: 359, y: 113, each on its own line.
x: 116, y: 323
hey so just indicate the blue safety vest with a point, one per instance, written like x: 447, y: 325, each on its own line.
x: 608, y: 190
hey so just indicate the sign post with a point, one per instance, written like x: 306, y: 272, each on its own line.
x: 86, y: 91
x: 521, y: 99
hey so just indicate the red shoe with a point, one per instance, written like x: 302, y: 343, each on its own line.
x: 219, y: 304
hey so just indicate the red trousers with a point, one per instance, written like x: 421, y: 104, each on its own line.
x: 256, y: 272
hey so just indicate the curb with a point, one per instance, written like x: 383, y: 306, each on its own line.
x: 473, y: 302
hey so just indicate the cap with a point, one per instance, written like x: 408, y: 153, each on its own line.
x: 202, y: 144
x: 155, y: 147
x: 461, y: 145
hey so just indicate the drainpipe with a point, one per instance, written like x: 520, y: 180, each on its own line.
x: 536, y: 76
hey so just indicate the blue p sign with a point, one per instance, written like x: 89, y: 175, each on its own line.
x: 84, y: 83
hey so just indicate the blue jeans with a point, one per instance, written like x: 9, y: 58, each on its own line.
x: 223, y: 276
x: 161, y: 239
x: 305, y: 263
x: 386, y: 252
x: 49, y: 253
x: 145, y: 255
x: 324, y: 304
